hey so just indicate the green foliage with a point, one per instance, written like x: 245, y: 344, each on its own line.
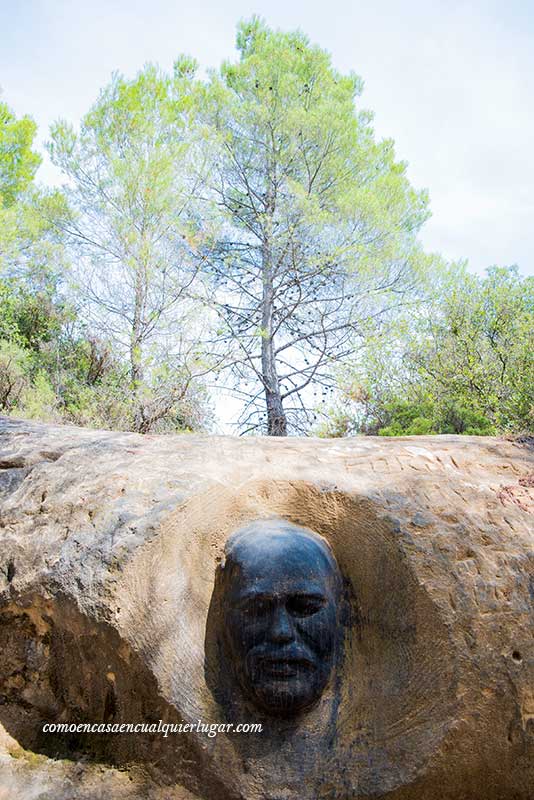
x: 294, y: 124
x: 29, y: 316
x: 462, y: 363
x: 15, y: 366
x: 18, y: 162
x: 39, y: 400
x: 126, y: 165
x: 51, y: 370
x: 407, y: 418
x: 485, y: 357
x: 429, y: 417
x: 30, y: 245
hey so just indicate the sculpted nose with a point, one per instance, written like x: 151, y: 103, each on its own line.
x: 281, y: 628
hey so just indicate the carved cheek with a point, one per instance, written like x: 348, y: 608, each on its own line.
x: 249, y: 631
x: 318, y: 631
x: 239, y: 629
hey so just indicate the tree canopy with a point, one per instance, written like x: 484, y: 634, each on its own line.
x: 132, y: 195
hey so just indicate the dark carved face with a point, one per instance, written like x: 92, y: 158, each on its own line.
x: 282, y: 591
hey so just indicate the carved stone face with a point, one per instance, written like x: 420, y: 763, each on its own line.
x: 281, y: 595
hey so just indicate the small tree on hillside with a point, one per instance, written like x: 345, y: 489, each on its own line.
x: 132, y: 191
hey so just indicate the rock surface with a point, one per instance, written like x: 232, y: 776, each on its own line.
x: 108, y: 548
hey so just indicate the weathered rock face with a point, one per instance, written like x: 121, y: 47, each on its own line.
x: 110, y: 544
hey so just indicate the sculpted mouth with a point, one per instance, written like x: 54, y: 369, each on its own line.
x: 285, y: 667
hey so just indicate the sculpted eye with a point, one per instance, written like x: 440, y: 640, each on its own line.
x: 305, y: 606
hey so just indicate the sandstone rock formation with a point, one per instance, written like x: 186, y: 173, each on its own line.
x: 109, y: 544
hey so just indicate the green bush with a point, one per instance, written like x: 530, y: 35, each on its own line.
x: 38, y: 400
x: 462, y: 362
x: 15, y: 369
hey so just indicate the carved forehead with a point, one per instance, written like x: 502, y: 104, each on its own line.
x: 275, y: 547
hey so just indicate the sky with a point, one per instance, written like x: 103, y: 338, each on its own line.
x: 451, y: 82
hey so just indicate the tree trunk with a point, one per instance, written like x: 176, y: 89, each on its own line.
x: 136, y: 368
x: 276, y: 418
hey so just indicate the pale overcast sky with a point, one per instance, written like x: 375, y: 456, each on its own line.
x: 451, y: 82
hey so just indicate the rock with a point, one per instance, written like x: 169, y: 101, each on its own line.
x: 110, y: 543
